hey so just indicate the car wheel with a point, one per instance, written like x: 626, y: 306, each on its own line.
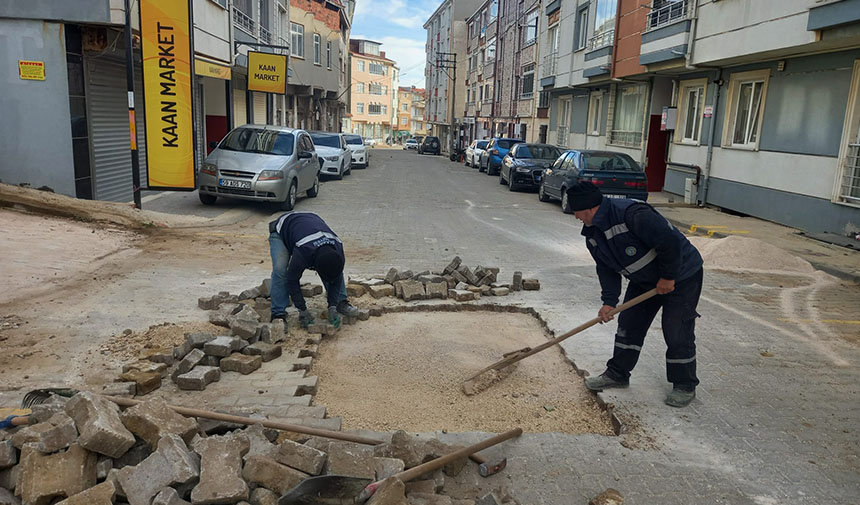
x: 501, y: 176
x: 314, y: 190
x: 207, y: 199
x: 542, y: 196
x: 480, y: 167
x: 466, y: 162
x: 347, y: 171
x: 290, y: 202
x: 511, y: 185
x: 565, y: 204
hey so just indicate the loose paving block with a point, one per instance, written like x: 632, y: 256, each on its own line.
x: 265, y: 287
x: 495, y: 270
x: 104, y: 465
x: 43, y: 478
x: 263, y: 308
x: 479, y: 271
x: 168, y: 496
x: 427, y: 486
x: 99, y: 425
x: 303, y: 385
x: 146, y: 366
x: 485, y: 290
x: 245, y: 313
x: 262, y: 496
x: 398, y: 289
x: 299, y: 456
x: 466, y: 272
x: 451, y: 280
x: 145, y: 382
x: 390, y: 492
x: 171, y: 464
x: 242, y: 363
x: 363, y: 314
x: 428, y: 499
x: 404, y: 447
x: 459, y: 277
x: 138, y: 452
x: 258, y: 443
x: 197, y: 340
x: 391, y: 276
x: 433, y: 449
x: 209, y: 302
x: 436, y: 290
x: 9, y: 477
x: 7, y: 498
x: 455, y: 263
x: 153, y: 419
x: 198, y: 378
x: 351, y: 460
x: 221, y: 470
x: 267, y: 352
x: 405, y: 275
x: 190, y: 360
x: 277, y: 332
x: 531, y: 284
x: 121, y: 389
x: 8, y: 454
x: 55, y: 434
x: 375, y: 311
x: 463, y: 286
x: 322, y: 329
x: 474, y: 289
x: 270, y: 474
x: 428, y: 278
x: 163, y: 355
x: 297, y: 363
x: 221, y: 346
x: 461, y: 295
x: 210, y: 361
x: 499, y: 291
x: 386, y: 467
x: 244, y: 328
x: 412, y: 290
x: 249, y: 294
x: 517, y: 284
x: 101, y: 494
x: 221, y: 317
x: 355, y: 290
x: 487, y: 280
x: 381, y: 290
x: 310, y: 290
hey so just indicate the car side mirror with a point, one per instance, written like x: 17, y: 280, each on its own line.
x: 305, y: 155
x: 213, y: 144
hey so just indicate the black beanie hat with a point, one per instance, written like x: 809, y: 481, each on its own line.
x: 583, y: 195
x: 328, y: 263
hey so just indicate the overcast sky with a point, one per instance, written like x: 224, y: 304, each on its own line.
x: 399, y: 25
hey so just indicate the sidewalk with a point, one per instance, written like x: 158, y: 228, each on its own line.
x: 838, y: 261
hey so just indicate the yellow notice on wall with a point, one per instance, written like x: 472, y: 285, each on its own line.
x: 167, y: 73
x: 267, y: 72
x: 31, y: 70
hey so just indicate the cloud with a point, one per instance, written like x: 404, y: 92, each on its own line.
x: 409, y: 22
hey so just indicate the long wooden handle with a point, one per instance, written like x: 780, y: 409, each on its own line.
x: 296, y: 428
x: 525, y: 353
x: 462, y: 453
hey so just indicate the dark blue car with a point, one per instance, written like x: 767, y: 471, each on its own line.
x: 616, y: 174
x: 491, y: 159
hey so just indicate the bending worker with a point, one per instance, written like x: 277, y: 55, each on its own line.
x: 299, y: 241
x: 630, y: 238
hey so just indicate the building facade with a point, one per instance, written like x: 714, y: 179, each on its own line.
x: 373, y: 91
x: 410, y: 113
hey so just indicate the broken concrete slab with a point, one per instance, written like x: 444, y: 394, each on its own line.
x: 242, y: 363
x: 381, y: 290
x: 168, y: 496
x: 55, y: 434
x: 171, y: 464
x: 120, y: 389
x: 153, y: 419
x: 411, y: 290
x: 221, y: 470
x: 517, y: 284
x: 300, y: 456
x: 99, y: 425
x: 101, y: 494
x: 190, y: 360
x: 44, y: 478
x: 267, y: 352
x: 198, y: 378
x: 461, y: 295
x: 270, y: 474
x: 144, y: 382
x: 531, y: 284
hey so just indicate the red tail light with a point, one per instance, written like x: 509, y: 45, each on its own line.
x: 597, y: 182
x: 635, y: 184
x: 494, y: 151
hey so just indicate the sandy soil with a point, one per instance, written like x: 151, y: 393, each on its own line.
x: 372, y: 376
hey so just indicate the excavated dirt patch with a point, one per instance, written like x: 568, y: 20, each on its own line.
x: 404, y: 371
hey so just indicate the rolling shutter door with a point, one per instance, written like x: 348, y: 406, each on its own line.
x: 238, y: 107
x: 260, y: 108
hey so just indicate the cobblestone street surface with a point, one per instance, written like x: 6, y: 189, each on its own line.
x: 776, y: 415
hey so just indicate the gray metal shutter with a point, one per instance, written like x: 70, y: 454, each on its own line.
x: 238, y: 107
x: 199, y: 124
x: 107, y: 103
x: 139, y: 120
x: 260, y: 108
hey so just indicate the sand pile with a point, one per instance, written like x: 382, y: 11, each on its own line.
x: 744, y: 253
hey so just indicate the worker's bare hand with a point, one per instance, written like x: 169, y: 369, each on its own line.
x: 665, y: 286
x: 604, y: 314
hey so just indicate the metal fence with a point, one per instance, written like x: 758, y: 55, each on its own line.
x: 548, y: 67
x: 664, y: 12
x: 601, y: 39
x: 851, y: 176
x: 625, y: 138
x: 244, y: 22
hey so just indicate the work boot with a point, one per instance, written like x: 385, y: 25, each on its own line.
x: 347, y: 309
x: 680, y: 397
x: 282, y: 317
x: 603, y: 381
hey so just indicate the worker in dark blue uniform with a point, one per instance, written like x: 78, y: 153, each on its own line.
x: 628, y: 237
x: 299, y: 241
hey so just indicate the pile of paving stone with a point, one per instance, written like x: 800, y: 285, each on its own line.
x: 457, y: 281
x: 87, y: 451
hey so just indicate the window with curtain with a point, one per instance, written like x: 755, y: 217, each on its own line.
x: 746, y: 114
x: 604, y: 23
x: 692, y: 101
x: 629, y: 116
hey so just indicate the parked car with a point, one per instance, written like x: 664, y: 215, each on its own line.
x: 524, y: 164
x: 430, y: 145
x: 410, y: 144
x: 491, y: 159
x: 474, y: 151
x: 334, y: 157
x: 360, y: 156
x: 616, y: 174
x: 370, y: 142
x: 261, y: 163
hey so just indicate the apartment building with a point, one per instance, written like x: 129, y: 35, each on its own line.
x: 410, y: 113
x: 747, y: 105
x: 373, y: 91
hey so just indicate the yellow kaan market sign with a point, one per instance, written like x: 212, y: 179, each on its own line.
x: 267, y: 72
x: 167, y: 72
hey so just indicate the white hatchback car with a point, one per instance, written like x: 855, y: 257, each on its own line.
x: 474, y: 152
x: 355, y: 144
x: 335, y: 158
x: 411, y: 144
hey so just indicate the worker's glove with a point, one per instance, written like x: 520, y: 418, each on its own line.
x: 333, y: 317
x: 305, y: 318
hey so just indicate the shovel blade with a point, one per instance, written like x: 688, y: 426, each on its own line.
x: 325, y: 490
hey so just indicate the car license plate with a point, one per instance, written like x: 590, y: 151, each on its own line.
x: 615, y: 196
x: 230, y: 183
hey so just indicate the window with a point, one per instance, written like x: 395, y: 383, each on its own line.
x: 377, y: 68
x: 490, y: 51
x: 375, y: 88
x: 317, y: 43
x: 563, y: 122
x: 360, y: 65
x: 404, y: 121
x: 582, y: 29
x: 405, y: 107
x: 531, y: 28
x: 528, y: 86
x: 747, y: 91
x: 604, y: 23
x: 629, y: 116
x: 691, y: 100
x: 297, y: 40
x: 328, y: 55
x: 494, y: 10
x: 359, y: 87
x: 374, y: 109
x: 595, y: 110
x: 359, y: 108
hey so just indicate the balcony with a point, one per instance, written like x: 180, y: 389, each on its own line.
x: 265, y: 36
x: 244, y: 22
x: 666, y: 31
x: 549, y: 65
x: 850, y: 190
x: 601, y: 40
x: 666, y: 12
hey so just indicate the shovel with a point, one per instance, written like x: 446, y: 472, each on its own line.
x: 470, y: 387
x: 339, y: 490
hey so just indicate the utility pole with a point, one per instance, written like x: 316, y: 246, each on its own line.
x: 449, y: 61
x: 129, y: 77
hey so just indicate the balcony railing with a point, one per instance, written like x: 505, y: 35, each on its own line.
x: 244, y: 22
x: 664, y: 12
x: 625, y: 138
x: 561, y: 136
x: 550, y: 62
x: 265, y: 35
x: 601, y: 39
x: 850, y: 192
